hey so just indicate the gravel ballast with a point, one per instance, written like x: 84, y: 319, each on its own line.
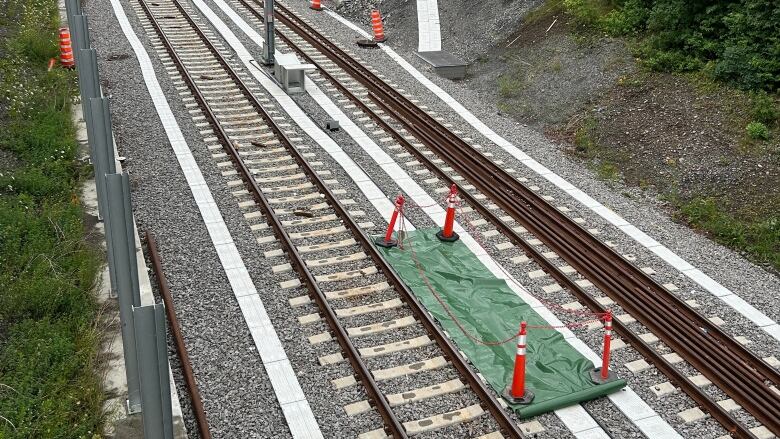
x: 215, y: 325
x: 388, y: 67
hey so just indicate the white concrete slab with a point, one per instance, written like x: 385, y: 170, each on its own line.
x: 428, y: 29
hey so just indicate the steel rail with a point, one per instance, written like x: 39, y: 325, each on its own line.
x: 181, y: 348
x: 507, y: 425
x: 412, y: 122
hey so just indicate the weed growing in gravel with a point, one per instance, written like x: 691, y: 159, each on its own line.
x: 509, y: 85
x: 584, y: 140
x: 608, y: 171
x: 49, y: 385
x: 757, y: 131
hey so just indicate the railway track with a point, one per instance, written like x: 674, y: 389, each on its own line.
x: 181, y: 349
x: 298, y: 216
x: 739, y: 373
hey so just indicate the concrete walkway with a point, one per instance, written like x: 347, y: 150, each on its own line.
x: 429, y: 32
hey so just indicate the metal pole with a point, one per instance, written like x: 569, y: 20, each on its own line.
x: 79, y: 32
x: 124, y: 284
x: 130, y: 229
x: 268, y: 47
x: 89, y: 74
x: 89, y: 87
x: 89, y: 81
x: 102, y: 165
x: 153, y: 366
x: 76, y: 36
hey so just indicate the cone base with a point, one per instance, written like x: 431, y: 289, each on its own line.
x: 527, y: 397
x: 380, y: 40
x: 453, y: 238
x: 386, y: 244
x: 315, y: 8
x: 366, y: 43
x: 595, y: 376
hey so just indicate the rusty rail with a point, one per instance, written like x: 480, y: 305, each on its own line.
x: 181, y: 348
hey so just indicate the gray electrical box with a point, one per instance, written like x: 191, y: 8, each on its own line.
x: 290, y: 72
x: 445, y: 64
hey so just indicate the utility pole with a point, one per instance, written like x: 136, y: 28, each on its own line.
x: 268, y: 48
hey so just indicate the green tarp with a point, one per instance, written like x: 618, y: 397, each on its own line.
x: 488, y: 309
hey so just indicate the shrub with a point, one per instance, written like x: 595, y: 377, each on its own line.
x: 739, y: 37
x: 764, y: 109
x: 758, y: 131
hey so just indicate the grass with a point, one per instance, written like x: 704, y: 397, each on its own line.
x: 587, y: 146
x: 584, y: 138
x: 760, y: 238
x: 49, y: 384
x: 510, y: 85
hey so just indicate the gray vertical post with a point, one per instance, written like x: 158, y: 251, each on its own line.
x: 102, y: 147
x: 89, y: 87
x: 84, y: 29
x: 76, y: 36
x: 102, y: 144
x: 130, y: 229
x: 79, y: 32
x: 153, y: 367
x: 72, y: 7
x: 116, y: 228
x: 268, y: 47
x: 89, y: 76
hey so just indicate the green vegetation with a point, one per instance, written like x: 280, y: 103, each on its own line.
x: 608, y: 171
x: 724, y: 47
x: 587, y: 146
x: 758, y: 238
x: 49, y: 384
x: 757, y: 131
x: 509, y: 86
x: 735, y: 41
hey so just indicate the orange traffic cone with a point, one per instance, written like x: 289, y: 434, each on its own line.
x: 447, y: 234
x: 378, y: 26
x: 316, y: 5
x: 517, y: 393
x: 66, y: 50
